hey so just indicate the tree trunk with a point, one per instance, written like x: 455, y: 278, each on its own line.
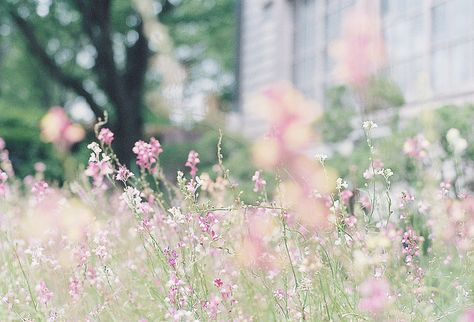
x: 128, y: 130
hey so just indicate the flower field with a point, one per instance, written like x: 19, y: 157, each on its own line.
x: 117, y: 245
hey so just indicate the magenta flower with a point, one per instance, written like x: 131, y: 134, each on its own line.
x: 193, y: 160
x: 106, y: 136
x: 218, y: 282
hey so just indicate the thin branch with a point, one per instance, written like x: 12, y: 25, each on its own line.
x: 51, y: 66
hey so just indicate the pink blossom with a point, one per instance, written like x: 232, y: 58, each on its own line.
x: 123, y: 174
x: 416, y: 147
x: 259, y: 182
x: 147, y: 153
x: 45, y: 295
x: 375, y: 295
x: 40, y: 189
x: 106, y: 136
x: 193, y: 160
x: 3, y: 180
x: 218, y: 282
x: 359, y: 53
x: 57, y: 128
x: 75, y: 288
x: 468, y: 316
x: 346, y: 195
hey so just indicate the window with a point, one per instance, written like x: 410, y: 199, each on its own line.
x: 305, y: 46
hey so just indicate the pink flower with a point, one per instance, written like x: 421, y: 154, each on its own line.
x: 147, y: 153
x: 40, y: 189
x: 75, y: 288
x: 416, y: 147
x: 123, y: 174
x: 193, y: 160
x: 346, y: 195
x: 468, y: 316
x: 57, y: 128
x: 259, y: 182
x: 45, y: 295
x: 106, y: 136
x: 375, y: 295
x: 3, y: 180
x: 359, y: 53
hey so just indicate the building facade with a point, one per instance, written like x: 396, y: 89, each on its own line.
x: 429, y: 46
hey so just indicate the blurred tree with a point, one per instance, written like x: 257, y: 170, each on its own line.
x: 97, y: 49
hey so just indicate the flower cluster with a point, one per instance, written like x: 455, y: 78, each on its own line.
x: 147, y: 153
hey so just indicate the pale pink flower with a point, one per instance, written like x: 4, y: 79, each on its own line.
x: 57, y: 128
x: 123, y: 174
x: 346, y: 195
x: 193, y: 160
x: 375, y: 295
x: 75, y: 288
x: 468, y: 316
x: 40, y: 189
x: 259, y: 182
x: 3, y: 185
x: 44, y: 294
x: 106, y: 136
x: 359, y: 53
x: 416, y: 147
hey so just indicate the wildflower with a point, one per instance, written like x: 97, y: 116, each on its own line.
x: 193, y: 160
x: 468, y: 316
x: 218, y: 282
x: 341, y: 184
x: 410, y: 242
x: 321, y: 158
x: 97, y: 168
x: 147, y: 153
x: 369, y: 125
x: 75, y: 288
x: 123, y: 174
x: 416, y: 147
x: 457, y: 143
x: 40, y: 167
x: 346, y: 195
x: 106, y: 136
x: 45, y: 295
x: 40, y: 189
x: 259, y: 182
x: 3, y: 180
x: 57, y: 128
x: 171, y: 256
x: 375, y: 295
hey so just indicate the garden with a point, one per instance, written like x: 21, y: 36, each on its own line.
x: 347, y: 211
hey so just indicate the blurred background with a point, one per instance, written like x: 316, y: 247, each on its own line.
x: 180, y: 70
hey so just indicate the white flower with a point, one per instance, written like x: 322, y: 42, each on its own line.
x: 321, y: 157
x: 387, y: 173
x: 456, y: 141
x: 341, y: 184
x: 369, y: 125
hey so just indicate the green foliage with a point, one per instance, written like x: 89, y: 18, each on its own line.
x: 336, y: 125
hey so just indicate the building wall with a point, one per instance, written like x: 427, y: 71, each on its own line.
x: 429, y: 46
